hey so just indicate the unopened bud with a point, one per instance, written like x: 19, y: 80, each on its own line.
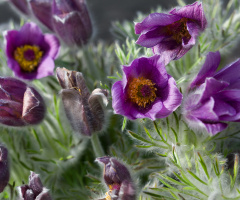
x: 20, y: 105
x: 4, y: 168
x: 85, y: 111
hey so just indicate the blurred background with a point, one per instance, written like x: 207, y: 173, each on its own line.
x: 104, y: 12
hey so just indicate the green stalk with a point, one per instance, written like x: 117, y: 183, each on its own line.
x: 97, y: 147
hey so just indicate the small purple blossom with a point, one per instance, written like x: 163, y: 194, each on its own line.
x: 172, y: 35
x: 214, y: 97
x: 118, y: 179
x: 34, y: 190
x: 146, y: 90
x: 20, y: 105
x: 31, y: 54
x: 4, y: 168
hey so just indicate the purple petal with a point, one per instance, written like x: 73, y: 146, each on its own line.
x: 35, y: 183
x: 194, y: 12
x: 22, y: 5
x: 208, y: 69
x: 45, y: 68
x: 229, y: 73
x: 44, y: 195
x: 153, y: 20
x: 54, y: 45
x: 224, y: 109
x: 215, y: 128
x: 10, y: 39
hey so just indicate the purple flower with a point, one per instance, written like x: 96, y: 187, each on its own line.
x: 118, y: 179
x: 172, y: 34
x: 214, y: 97
x: 34, y: 189
x: 21, y: 5
x: 4, y: 168
x: 146, y: 90
x: 71, y: 21
x: 85, y: 111
x: 42, y: 9
x: 20, y: 104
x: 31, y: 54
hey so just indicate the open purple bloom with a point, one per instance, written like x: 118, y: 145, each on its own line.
x: 71, y: 21
x: 4, y: 168
x: 118, y: 179
x: 172, y: 34
x: 214, y: 97
x: 146, y: 90
x: 34, y: 190
x: 30, y: 53
x: 20, y: 105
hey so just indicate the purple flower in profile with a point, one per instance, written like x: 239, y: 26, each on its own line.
x: 172, y: 34
x: 20, y: 105
x: 34, y: 190
x: 71, y: 21
x: 214, y: 97
x: 118, y: 179
x: 31, y: 54
x: 146, y: 90
x: 4, y: 168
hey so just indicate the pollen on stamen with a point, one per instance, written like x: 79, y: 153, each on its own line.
x: 142, y: 91
x: 28, y: 57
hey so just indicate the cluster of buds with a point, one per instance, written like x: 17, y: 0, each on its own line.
x: 118, y: 180
x: 4, y: 168
x: 34, y: 189
x: 69, y: 19
x: 85, y: 111
x: 20, y: 104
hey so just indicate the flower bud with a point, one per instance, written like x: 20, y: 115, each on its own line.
x: 118, y: 179
x: 42, y: 9
x: 85, y: 111
x: 71, y: 21
x: 4, y: 168
x: 21, y: 5
x: 34, y: 189
x: 20, y: 104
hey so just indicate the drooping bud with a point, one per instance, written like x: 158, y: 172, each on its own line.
x: 118, y: 179
x: 21, y: 5
x: 34, y: 189
x: 20, y: 105
x: 71, y: 21
x: 4, y: 168
x: 42, y: 9
x: 85, y: 111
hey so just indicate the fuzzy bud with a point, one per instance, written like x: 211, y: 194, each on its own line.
x: 4, y: 168
x: 20, y: 104
x: 85, y: 111
x: 34, y: 190
x: 118, y: 179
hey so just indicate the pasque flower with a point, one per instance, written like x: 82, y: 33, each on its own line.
x: 71, y: 21
x: 85, y: 111
x: 20, y: 104
x: 21, y: 5
x: 4, y: 168
x: 146, y: 90
x: 31, y: 54
x: 172, y: 34
x: 34, y: 189
x: 118, y: 179
x: 214, y: 96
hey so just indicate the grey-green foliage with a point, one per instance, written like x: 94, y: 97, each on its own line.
x: 194, y: 164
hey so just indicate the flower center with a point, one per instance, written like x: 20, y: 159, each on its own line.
x: 142, y: 91
x: 28, y: 57
x: 178, y: 30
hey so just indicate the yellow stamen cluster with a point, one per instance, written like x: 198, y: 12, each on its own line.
x: 178, y: 30
x: 136, y: 93
x: 25, y: 64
